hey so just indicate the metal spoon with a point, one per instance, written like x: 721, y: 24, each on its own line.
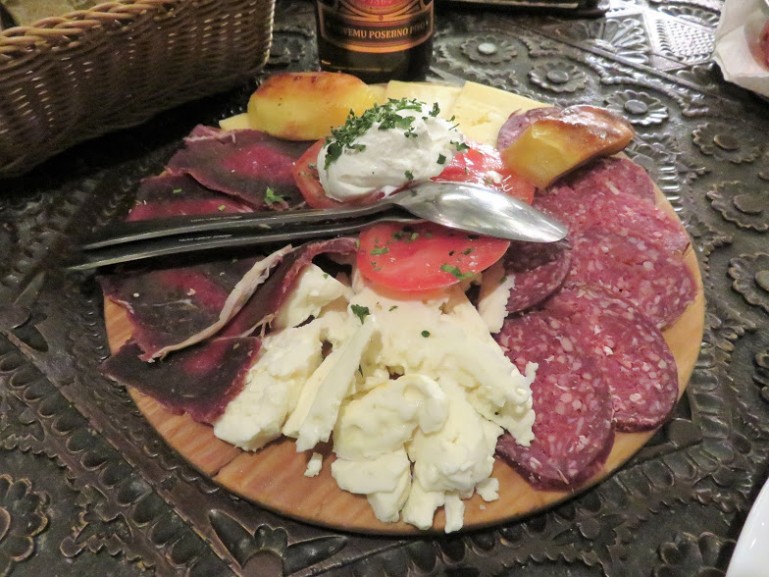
x: 468, y: 207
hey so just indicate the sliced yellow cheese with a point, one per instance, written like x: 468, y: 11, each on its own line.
x: 481, y: 110
x: 443, y: 94
x: 237, y: 122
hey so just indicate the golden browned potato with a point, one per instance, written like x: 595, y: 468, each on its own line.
x: 307, y: 105
x: 557, y: 144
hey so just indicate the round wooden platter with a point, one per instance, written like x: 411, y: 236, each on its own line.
x: 274, y: 476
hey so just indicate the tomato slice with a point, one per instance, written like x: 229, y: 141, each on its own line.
x: 305, y: 174
x: 423, y: 256
x: 482, y: 164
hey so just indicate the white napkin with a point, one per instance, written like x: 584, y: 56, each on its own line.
x: 736, y: 42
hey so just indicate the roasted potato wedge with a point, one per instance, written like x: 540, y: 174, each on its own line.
x: 307, y: 105
x: 555, y: 145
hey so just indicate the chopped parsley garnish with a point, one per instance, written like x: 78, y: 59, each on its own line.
x: 271, y: 197
x: 454, y: 270
x: 360, y: 311
x: 425, y: 333
x: 385, y: 115
x: 392, y: 308
x: 379, y: 250
x: 177, y: 191
x: 441, y: 159
x: 409, y: 175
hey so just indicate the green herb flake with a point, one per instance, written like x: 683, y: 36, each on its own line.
x: 379, y: 250
x: 221, y: 208
x: 409, y: 175
x: 271, y: 197
x: 441, y: 159
x: 468, y: 251
x: 425, y: 333
x: 177, y: 191
x: 360, y: 311
x: 392, y: 308
x: 456, y: 272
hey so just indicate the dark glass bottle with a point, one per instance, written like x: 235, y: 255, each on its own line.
x: 376, y: 40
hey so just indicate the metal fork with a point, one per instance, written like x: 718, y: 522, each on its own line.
x: 96, y: 255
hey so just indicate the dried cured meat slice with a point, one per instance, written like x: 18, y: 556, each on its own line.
x: 657, y: 283
x: 261, y: 308
x: 247, y: 164
x: 630, y: 351
x: 173, y: 308
x: 536, y: 270
x: 615, y: 175
x: 178, y: 194
x: 573, y: 430
x: 517, y: 122
x: 619, y: 213
x: 200, y: 380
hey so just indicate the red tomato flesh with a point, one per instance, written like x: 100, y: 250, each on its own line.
x: 482, y: 164
x: 424, y: 256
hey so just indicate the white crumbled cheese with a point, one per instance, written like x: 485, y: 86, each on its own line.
x: 493, y: 296
x: 488, y: 489
x: 314, y: 465
x: 376, y: 154
x: 421, y: 505
x: 314, y: 290
x: 286, y: 361
x: 321, y: 416
x: 383, y: 420
x: 385, y: 480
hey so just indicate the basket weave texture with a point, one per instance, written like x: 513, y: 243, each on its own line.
x: 68, y: 79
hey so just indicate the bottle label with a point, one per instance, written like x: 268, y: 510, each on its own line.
x: 377, y: 26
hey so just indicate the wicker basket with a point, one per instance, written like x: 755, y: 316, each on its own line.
x: 68, y: 79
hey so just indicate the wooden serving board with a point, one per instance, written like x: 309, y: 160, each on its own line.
x: 274, y: 476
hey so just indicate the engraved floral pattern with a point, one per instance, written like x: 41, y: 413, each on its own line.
x: 751, y: 278
x: 761, y: 375
x: 690, y: 556
x: 558, y: 76
x: 746, y: 206
x: 21, y: 519
x: 488, y: 49
x: 639, y: 108
x: 719, y: 141
x: 625, y: 38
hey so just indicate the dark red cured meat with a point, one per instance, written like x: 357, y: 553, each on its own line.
x: 264, y: 304
x: 619, y: 213
x: 243, y: 164
x: 178, y: 194
x: 764, y: 44
x: 614, y: 175
x: 537, y: 270
x: 630, y: 352
x: 573, y: 430
x: 660, y: 285
x: 167, y: 306
x: 517, y: 122
x: 200, y: 380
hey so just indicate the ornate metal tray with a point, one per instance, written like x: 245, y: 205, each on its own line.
x: 87, y: 487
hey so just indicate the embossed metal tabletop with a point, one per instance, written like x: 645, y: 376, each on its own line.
x: 88, y: 488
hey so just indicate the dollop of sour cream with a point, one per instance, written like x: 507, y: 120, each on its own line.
x: 385, y: 148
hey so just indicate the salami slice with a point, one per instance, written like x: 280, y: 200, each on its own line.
x: 200, y: 380
x: 537, y: 270
x: 247, y: 164
x: 614, y: 212
x: 573, y: 430
x: 520, y: 121
x: 613, y: 175
x: 630, y: 352
x: 657, y: 283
